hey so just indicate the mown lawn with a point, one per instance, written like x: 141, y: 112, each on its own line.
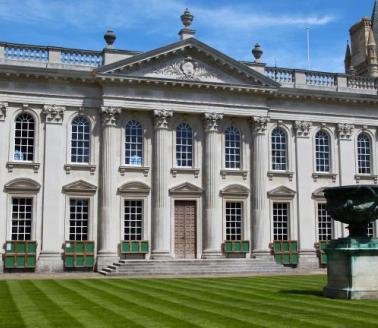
x: 279, y: 301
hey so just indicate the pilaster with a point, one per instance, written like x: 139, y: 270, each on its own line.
x: 53, y: 200
x: 213, y: 203
x: 161, y: 223
x: 3, y: 110
x: 260, y: 202
x: 346, y: 150
x: 108, y: 238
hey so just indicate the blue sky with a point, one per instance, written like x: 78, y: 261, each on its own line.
x: 232, y: 27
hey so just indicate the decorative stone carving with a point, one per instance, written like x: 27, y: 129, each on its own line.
x: 134, y: 187
x: 345, y: 131
x: 235, y: 190
x: 3, y: 110
x: 53, y: 113
x: 24, y: 185
x: 186, y: 188
x: 302, y: 129
x: 211, y: 121
x: 109, y: 115
x: 162, y: 117
x: 260, y: 123
x: 80, y: 187
x: 281, y: 192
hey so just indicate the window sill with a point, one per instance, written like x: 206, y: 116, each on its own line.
x: 236, y: 172
x: 79, y: 167
x: 183, y: 170
x: 366, y: 177
x: 280, y: 174
x: 23, y: 165
x: 324, y: 175
x: 126, y: 168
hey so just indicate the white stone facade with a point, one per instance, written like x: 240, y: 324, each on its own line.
x: 186, y: 82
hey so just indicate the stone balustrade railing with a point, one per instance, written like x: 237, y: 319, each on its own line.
x: 280, y: 75
x: 357, y: 82
x: 321, y: 79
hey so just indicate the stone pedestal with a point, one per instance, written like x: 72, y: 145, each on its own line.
x: 352, y: 268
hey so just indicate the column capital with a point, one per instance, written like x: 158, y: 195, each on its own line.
x: 109, y: 115
x: 161, y: 117
x: 211, y: 121
x: 344, y: 131
x: 3, y: 110
x: 302, y: 129
x: 53, y: 114
x: 260, y: 123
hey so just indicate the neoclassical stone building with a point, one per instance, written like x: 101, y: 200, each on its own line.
x: 181, y: 147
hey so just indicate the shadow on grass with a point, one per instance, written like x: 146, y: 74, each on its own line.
x: 317, y: 293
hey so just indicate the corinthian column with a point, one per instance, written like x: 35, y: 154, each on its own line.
x: 213, y: 203
x: 260, y: 218
x: 161, y: 227
x: 108, y: 239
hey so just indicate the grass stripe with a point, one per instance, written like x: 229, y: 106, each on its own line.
x: 10, y: 315
x: 54, y: 315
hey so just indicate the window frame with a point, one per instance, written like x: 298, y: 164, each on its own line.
x: 88, y: 217
x: 224, y: 149
x: 315, y: 153
x: 90, y: 141
x: 289, y: 215
x: 124, y: 150
x: 142, y: 225
x: 333, y: 226
x: 287, y: 157
x: 234, y: 201
x: 175, y: 146
x: 372, y: 153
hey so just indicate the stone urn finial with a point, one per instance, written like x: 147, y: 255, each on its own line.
x: 257, y: 52
x: 110, y: 37
x: 187, y: 18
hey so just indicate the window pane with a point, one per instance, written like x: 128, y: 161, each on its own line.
x: 279, y: 150
x: 232, y: 148
x: 134, y: 144
x: 184, y: 145
x: 364, y: 154
x: 80, y: 140
x: 22, y: 214
x: 371, y: 229
x: 322, y: 152
x: 24, y: 138
x: 233, y: 220
x: 133, y: 218
x: 325, y: 223
x: 280, y: 221
x: 79, y: 217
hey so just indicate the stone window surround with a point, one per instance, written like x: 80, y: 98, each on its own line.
x: 373, y: 162
x: 332, y: 146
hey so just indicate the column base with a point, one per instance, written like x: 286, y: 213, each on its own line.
x: 50, y: 262
x: 105, y: 259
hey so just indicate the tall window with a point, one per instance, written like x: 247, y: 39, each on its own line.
x: 79, y: 217
x: 24, y: 138
x: 134, y: 144
x: 233, y: 220
x: 232, y: 151
x: 371, y: 229
x: 322, y: 152
x: 184, y: 145
x: 280, y: 221
x: 80, y: 140
x: 133, y: 219
x: 22, y: 216
x: 279, y: 150
x: 325, y: 224
x: 364, y: 153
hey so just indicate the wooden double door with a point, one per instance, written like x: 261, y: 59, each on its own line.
x: 185, y: 229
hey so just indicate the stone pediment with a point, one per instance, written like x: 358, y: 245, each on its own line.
x: 281, y: 192
x: 189, y: 60
x: 235, y: 190
x: 186, y: 189
x: 134, y: 187
x: 22, y: 185
x: 318, y: 194
x: 80, y: 186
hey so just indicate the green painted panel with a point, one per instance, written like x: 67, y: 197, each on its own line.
x: 285, y: 246
x: 323, y: 259
x: 245, y: 246
x: 89, y: 261
x: 69, y: 261
x: 9, y: 247
x: 277, y: 247
x: 79, y: 261
x: 236, y: 246
x: 69, y: 248
x: 32, y: 247
x: 228, y: 247
x: 278, y: 258
x: 125, y: 247
x: 285, y: 259
x: 135, y: 247
x: 79, y: 247
x: 323, y: 245
x: 9, y: 262
x: 90, y: 247
x: 294, y: 259
x: 20, y: 261
x: 144, y: 246
x: 30, y: 261
x: 21, y: 247
x: 293, y: 246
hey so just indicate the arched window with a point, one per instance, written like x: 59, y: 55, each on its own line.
x: 279, y: 150
x: 232, y: 148
x: 184, y: 145
x: 322, y: 152
x: 364, y: 153
x: 24, y: 138
x: 134, y: 144
x: 80, y: 140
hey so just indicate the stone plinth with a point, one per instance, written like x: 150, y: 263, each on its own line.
x: 352, y: 268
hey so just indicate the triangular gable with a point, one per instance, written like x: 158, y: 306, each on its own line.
x: 134, y: 187
x: 281, y: 192
x: 188, y: 60
x: 186, y: 188
x: 235, y: 190
x: 80, y: 186
x: 22, y: 185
